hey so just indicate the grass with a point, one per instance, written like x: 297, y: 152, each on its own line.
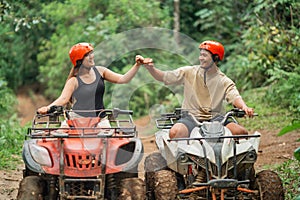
x: 274, y: 119
x: 269, y: 117
x: 289, y: 173
x: 11, y: 142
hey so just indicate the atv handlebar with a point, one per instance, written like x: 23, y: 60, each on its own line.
x: 53, y: 110
x: 57, y: 110
x: 216, y: 137
x: 235, y: 112
x: 114, y: 113
x: 168, y: 119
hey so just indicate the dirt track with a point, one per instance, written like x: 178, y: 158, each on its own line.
x: 273, y: 149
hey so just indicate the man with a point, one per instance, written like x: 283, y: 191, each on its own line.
x: 205, y: 89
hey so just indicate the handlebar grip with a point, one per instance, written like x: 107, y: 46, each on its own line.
x: 52, y: 109
x: 119, y: 111
x: 58, y: 109
x: 168, y: 114
x: 240, y: 113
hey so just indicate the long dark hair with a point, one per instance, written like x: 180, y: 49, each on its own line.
x: 73, y: 73
x: 74, y: 70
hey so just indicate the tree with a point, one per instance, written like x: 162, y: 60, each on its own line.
x: 92, y: 22
x: 22, y: 30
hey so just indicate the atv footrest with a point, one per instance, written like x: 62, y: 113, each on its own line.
x: 222, y: 183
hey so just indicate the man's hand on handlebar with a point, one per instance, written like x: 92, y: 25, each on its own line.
x: 249, y: 111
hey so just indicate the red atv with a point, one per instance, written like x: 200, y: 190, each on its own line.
x: 82, y: 160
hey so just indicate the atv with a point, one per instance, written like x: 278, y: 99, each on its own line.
x: 210, y: 164
x: 81, y: 160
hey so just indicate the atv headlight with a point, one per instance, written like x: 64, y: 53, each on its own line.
x: 183, y: 158
x: 40, y: 155
x: 251, y: 156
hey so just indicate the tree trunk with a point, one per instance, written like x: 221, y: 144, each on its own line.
x: 176, y: 21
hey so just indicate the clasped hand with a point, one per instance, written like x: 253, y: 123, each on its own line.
x: 140, y: 60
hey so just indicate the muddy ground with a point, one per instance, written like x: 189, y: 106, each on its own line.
x: 273, y: 150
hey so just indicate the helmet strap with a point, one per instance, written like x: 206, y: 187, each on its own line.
x: 206, y: 70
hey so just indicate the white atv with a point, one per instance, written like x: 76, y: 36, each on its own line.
x: 210, y: 164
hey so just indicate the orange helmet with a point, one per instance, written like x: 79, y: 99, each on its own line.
x: 78, y: 51
x: 213, y: 47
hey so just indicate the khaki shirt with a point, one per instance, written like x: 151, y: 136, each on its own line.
x: 200, y: 99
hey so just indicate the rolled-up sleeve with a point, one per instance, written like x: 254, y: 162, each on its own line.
x: 231, y: 92
x: 175, y: 76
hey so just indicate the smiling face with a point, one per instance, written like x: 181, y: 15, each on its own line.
x: 88, y: 60
x: 205, y: 59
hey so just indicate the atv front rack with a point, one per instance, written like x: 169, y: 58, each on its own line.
x: 58, y: 124
x: 167, y: 120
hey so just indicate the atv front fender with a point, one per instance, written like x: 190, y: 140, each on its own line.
x: 132, y: 156
x: 30, y: 163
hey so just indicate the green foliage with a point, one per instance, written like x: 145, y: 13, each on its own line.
x: 21, y: 30
x: 261, y: 39
x: 11, y: 134
x: 7, y: 100
x: 266, y: 54
x: 272, y: 119
x: 216, y: 21
x: 285, y: 89
x: 269, y: 117
x: 11, y: 141
x: 289, y: 174
x: 219, y: 19
x: 265, y: 47
x: 294, y: 126
x: 92, y: 22
x: 131, y: 14
x: 68, y: 28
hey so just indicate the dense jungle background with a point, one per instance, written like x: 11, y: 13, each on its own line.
x: 261, y: 39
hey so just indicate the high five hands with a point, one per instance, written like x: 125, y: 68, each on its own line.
x: 140, y: 60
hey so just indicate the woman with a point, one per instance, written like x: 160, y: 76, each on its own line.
x: 85, y: 86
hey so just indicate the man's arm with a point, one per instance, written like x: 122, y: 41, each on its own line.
x: 239, y: 103
x: 156, y: 73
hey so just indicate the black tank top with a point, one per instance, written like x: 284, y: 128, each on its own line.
x: 89, y: 96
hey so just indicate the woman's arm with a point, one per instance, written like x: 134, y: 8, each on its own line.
x: 119, y: 78
x: 64, y: 98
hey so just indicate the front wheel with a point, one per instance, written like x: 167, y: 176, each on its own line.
x: 31, y: 188
x: 165, y: 185
x: 153, y: 163
x: 269, y: 185
x: 132, y: 188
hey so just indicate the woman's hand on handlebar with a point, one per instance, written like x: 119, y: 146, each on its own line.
x: 43, y: 110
